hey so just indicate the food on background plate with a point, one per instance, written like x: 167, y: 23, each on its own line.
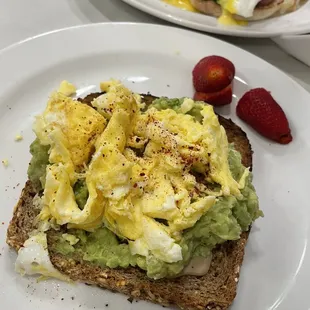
x: 238, y: 12
x: 150, y: 197
x: 259, y: 109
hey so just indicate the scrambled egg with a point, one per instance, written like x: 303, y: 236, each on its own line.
x: 67, y: 88
x: 139, y: 167
x: 33, y: 258
x: 71, y: 239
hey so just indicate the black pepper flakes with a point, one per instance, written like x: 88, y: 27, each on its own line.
x: 107, y: 305
x: 130, y: 299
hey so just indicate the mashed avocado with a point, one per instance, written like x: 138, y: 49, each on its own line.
x: 224, y: 221
x: 101, y: 248
x: 38, y: 163
x: 81, y: 193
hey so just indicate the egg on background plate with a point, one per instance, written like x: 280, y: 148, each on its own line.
x: 229, y: 8
x: 238, y: 12
x: 182, y: 4
x: 243, y: 8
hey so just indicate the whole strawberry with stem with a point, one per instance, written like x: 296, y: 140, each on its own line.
x: 259, y: 109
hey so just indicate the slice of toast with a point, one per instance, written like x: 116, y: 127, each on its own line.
x: 216, y: 290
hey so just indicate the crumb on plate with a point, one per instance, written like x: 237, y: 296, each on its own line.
x: 5, y: 162
x: 19, y: 138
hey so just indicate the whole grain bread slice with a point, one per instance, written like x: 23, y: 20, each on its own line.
x: 216, y: 290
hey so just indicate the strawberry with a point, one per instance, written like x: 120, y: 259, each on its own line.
x: 259, y: 109
x: 219, y: 98
x: 212, y: 74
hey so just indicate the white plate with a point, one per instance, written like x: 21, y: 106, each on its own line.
x: 275, y: 273
x: 296, y: 22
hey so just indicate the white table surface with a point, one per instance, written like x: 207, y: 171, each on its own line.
x: 20, y: 19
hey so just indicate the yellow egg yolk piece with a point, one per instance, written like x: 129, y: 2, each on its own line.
x: 226, y: 19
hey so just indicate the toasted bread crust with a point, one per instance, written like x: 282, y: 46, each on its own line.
x: 22, y: 222
x: 216, y: 290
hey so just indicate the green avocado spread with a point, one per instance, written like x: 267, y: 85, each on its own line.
x: 225, y: 221
x: 38, y: 163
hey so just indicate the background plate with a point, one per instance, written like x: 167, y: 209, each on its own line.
x: 292, y: 23
x: 276, y: 270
